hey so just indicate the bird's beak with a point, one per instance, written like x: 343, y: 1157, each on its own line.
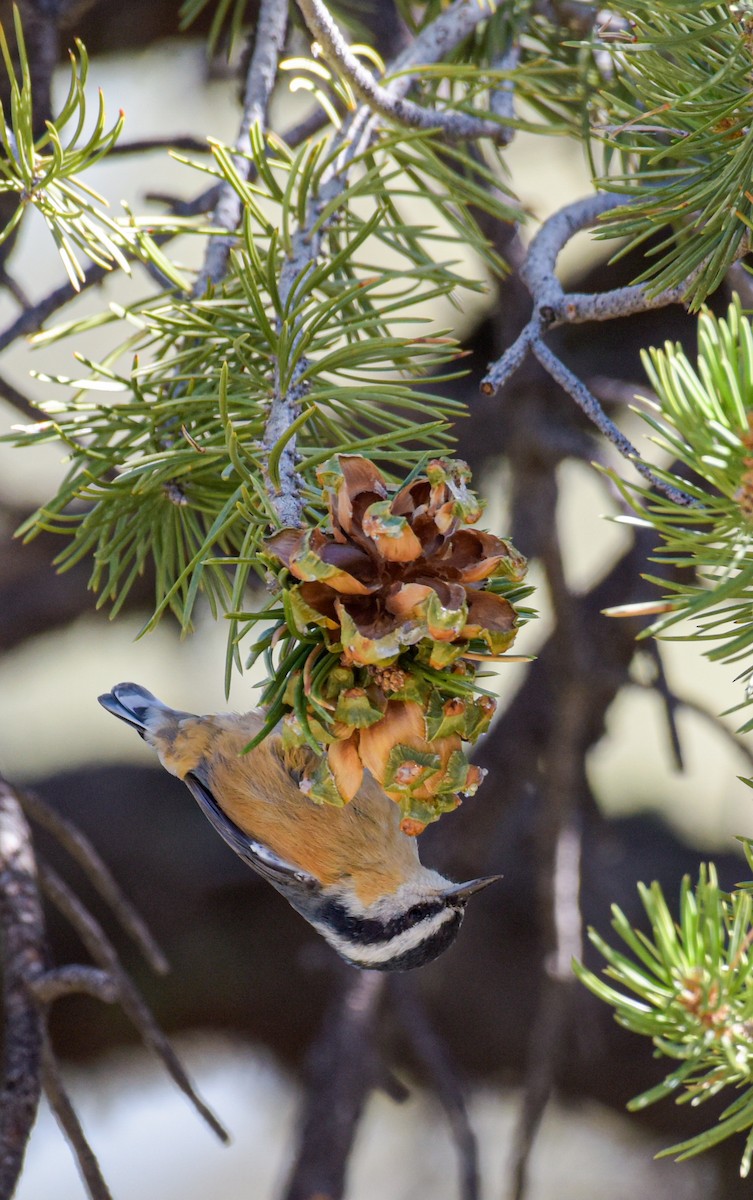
x: 463, y: 891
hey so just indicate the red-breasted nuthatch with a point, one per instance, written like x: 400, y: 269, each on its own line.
x: 349, y: 871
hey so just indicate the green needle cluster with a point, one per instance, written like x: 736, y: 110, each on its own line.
x: 703, y: 421
x: 687, y: 984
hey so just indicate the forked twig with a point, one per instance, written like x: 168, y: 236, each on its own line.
x: 81, y: 850
x: 31, y: 985
x: 130, y: 999
x: 457, y: 126
x: 552, y: 306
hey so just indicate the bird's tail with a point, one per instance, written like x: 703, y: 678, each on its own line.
x: 138, y: 707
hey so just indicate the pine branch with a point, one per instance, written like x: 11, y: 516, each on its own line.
x: 44, y: 169
x: 703, y: 420
x: 285, y: 494
x: 185, y: 142
x: 676, y: 114
x: 269, y: 38
x: 437, y: 40
x: 299, y: 286
x: 686, y: 986
x: 32, y: 319
x: 552, y: 306
x: 455, y: 125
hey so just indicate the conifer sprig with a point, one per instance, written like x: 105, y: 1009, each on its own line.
x: 677, y: 116
x: 173, y: 471
x: 687, y: 985
x: 704, y: 420
x: 45, y: 171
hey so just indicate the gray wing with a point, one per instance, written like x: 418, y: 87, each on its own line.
x: 288, y: 879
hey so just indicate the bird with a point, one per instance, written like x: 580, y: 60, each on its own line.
x: 350, y: 872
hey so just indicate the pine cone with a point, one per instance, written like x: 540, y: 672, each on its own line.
x: 398, y: 591
x: 397, y: 572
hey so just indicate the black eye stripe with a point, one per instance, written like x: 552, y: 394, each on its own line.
x: 426, y: 950
x: 370, y: 931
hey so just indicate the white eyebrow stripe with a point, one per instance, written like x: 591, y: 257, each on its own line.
x: 394, y: 947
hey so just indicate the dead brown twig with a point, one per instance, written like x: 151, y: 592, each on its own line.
x: 31, y: 984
